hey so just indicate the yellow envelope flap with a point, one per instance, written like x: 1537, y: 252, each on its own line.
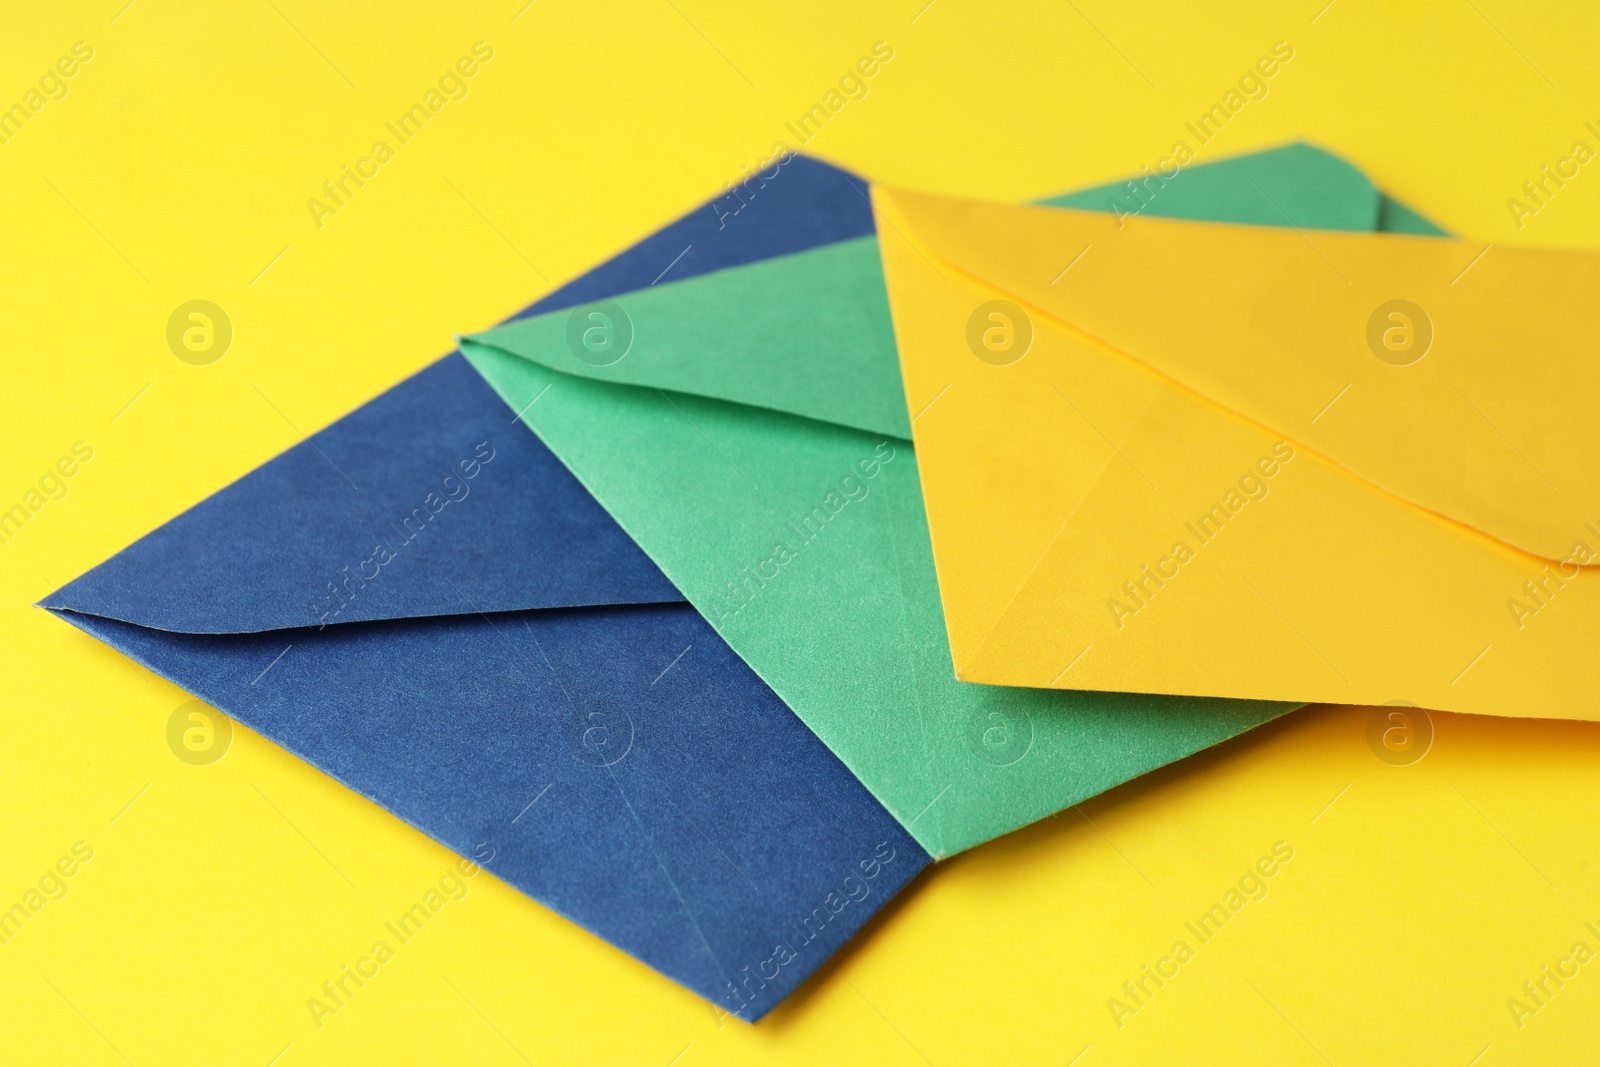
x: 1456, y: 377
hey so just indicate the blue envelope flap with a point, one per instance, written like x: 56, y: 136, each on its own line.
x: 344, y: 527
x: 801, y: 203
x: 550, y: 707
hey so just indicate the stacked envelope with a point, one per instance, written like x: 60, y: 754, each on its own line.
x: 833, y: 530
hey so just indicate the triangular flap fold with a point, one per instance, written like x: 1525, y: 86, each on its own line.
x: 806, y: 334
x: 1443, y: 395
x: 427, y: 501
x: 1294, y: 185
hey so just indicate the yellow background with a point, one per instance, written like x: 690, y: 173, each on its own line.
x: 178, y: 167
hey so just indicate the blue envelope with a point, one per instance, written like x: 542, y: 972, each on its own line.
x: 421, y: 601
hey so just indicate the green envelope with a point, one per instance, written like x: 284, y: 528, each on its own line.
x: 754, y: 440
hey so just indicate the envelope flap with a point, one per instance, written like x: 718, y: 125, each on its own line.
x: 1293, y: 185
x: 1455, y: 378
x: 471, y: 515
x: 806, y: 334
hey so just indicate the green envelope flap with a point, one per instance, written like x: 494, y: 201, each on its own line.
x: 1294, y: 185
x: 804, y: 333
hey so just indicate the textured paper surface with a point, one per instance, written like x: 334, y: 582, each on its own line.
x: 421, y: 602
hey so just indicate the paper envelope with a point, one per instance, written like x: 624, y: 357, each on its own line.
x: 422, y: 602
x: 729, y: 391
x: 1253, y: 461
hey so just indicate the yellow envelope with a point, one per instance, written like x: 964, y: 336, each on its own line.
x: 1181, y: 457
